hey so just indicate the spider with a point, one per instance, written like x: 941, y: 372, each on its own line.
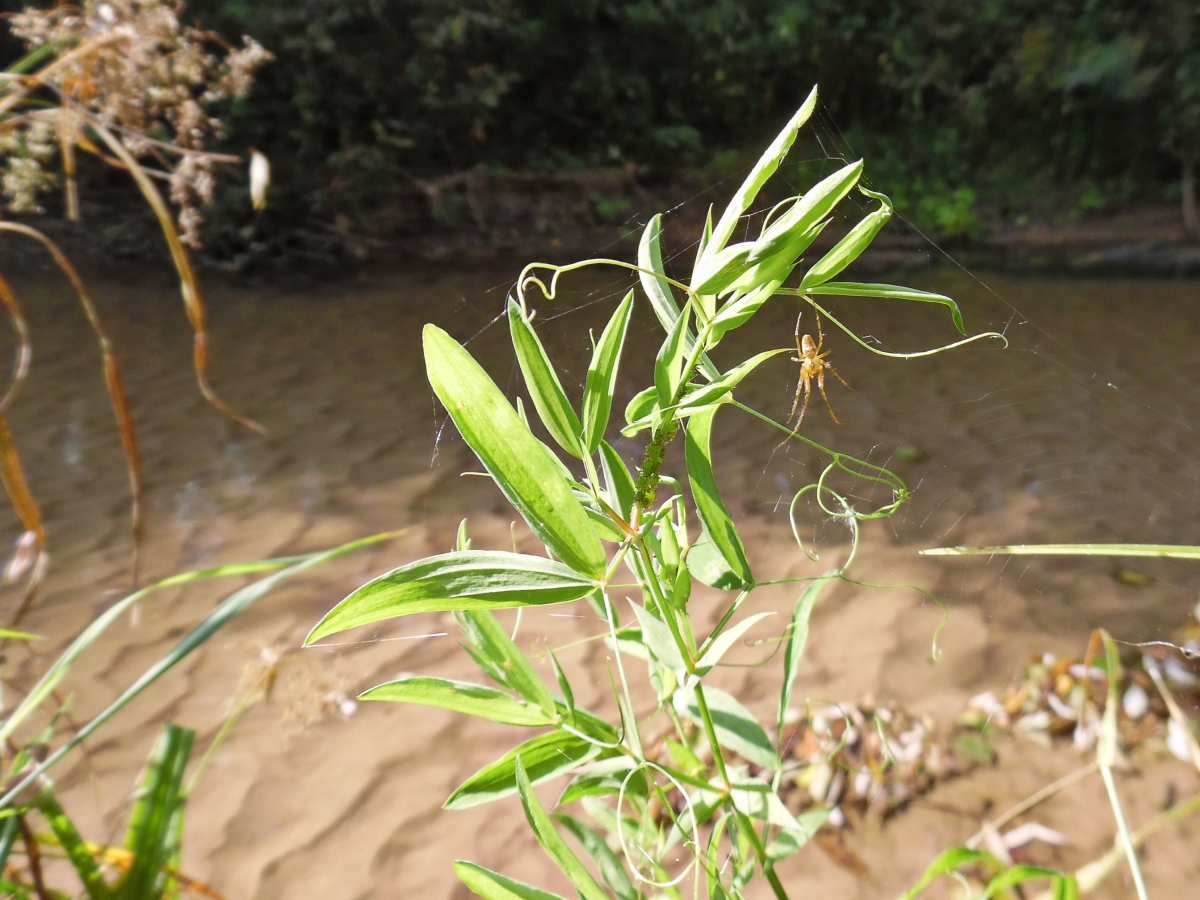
x: 813, y: 365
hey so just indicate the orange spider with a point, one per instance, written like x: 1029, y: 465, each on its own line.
x: 813, y: 366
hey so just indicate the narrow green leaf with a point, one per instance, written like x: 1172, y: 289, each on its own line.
x: 849, y: 248
x: 502, y: 659
x: 736, y: 727
x: 658, y: 639
x: 544, y: 757
x: 946, y: 863
x: 710, y: 508
x: 759, y: 175
x: 725, y: 640
x: 797, y: 638
x: 707, y: 564
x: 1020, y: 874
x: 460, y: 696
x: 546, y: 391
x: 668, y: 365
x: 611, y: 870
x: 151, y: 823
x: 723, y: 268
x: 74, y: 846
x: 7, y: 634
x: 472, y: 579
x: 720, y: 388
x: 563, y: 684
x: 462, y: 541
x: 602, y: 376
x: 8, y: 836
x: 494, y: 886
x: 791, y: 841
x: 807, y: 211
x: 520, y: 464
x: 658, y: 289
x: 618, y: 481
x: 640, y: 409
x: 552, y: 842
x: 889, y: 292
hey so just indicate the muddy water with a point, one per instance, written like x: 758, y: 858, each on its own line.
x: 1083, y: 429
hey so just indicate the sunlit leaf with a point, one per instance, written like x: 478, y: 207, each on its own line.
x: 460, y: 696
x: 724, y: 385
x: 494, y: 886
x: 499, y: 656
x: 849, y: 248
x: 544, y: 757
x: 552, y: 842
x: 618, y: 481
x: 657, y: 636
x: 736, y: 727
x: 602, y: 376
x: 546, y: 391
x: 658, y: 290
x: 888, y: 292
x: 759, y: 175
x: 473, y: 579
x: 725, y: 640
x: 797, y: 637
x: 611, y: 870
x: 508, y: 450
x: 668, y: 365
x: 709, y: 506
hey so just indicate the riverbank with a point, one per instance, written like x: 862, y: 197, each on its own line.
x: 483, y: 218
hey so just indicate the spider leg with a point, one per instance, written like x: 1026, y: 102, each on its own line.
x: 806, y: 383
x: 825, y: 397
x: 830, y: 367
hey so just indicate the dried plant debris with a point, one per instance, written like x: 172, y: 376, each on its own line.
x: 1062, y: 698
x: 129, y: 66
x: 869, y: 760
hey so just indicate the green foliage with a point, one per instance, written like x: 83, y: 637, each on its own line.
x: 371, y: 92
x: 722, y: 770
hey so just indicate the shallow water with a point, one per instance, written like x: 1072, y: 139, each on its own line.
x: 1083, y: 429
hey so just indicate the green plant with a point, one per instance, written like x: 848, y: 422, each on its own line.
x: 710, y: 785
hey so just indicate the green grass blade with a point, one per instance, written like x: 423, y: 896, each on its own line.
x: 229, y: 609
x: 503, y: 660
x: 460, y: 696
x: 1164, y: 551
x: 92, y: 633
x: 472, y: 579
x: 74, y: 846
x: 544, y: 756
x: 552, y: 842
x: 709, y: 506
x: 494, y: 886
x: 8, y: 836
x: 797, y: 638
x: 516, y: 459
x: 602, y: 376
x: 766, y: 166
x: 159, y: 803
x: 849, y: 248
x: 889, y: 292
x: 549, y: 398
